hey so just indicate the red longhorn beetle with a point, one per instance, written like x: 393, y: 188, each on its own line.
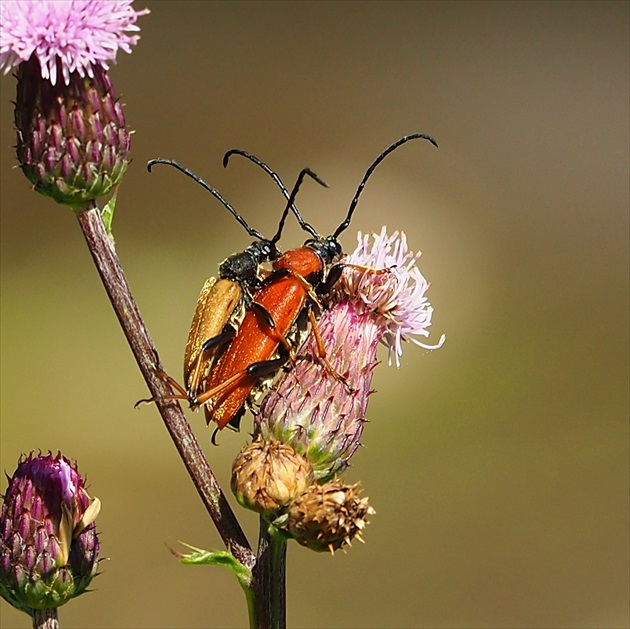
x: 222, y: 302
x: 292, y: 288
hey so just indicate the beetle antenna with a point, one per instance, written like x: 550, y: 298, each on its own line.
x: 256, y: 160
x: 260, y: 164
x: 372, y: 168
x: 215, y: 193
x: 296, y: 187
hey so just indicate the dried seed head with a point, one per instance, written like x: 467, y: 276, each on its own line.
x: 326, y: 517
x: 269, y: 475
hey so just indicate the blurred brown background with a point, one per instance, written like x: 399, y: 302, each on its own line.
x: 498, y: 465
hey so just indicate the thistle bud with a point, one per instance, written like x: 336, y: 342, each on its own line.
x: 73, y: 144
x: 326, y: 517
x: 72, y: 140
x: 379, y: 299
x: 50, y: 547
x: 269, y: 475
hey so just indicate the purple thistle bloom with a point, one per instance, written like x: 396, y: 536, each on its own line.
x: 381, y: 302
x: 74, y: 35
x: 49, y: 545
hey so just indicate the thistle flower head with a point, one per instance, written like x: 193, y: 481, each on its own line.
x: 72, y: 140
x: 397, y: 298
x: 70, y: 35
x: 321, y: 412
x: 49, y: 546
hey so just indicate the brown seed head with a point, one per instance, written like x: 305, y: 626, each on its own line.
x: 326, y: 517
x: 269, y: 475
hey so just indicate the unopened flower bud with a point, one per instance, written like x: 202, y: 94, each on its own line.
x: 73, y: 144
x: 269, y: 475
x: 50, y: 547
x: 326, y: 517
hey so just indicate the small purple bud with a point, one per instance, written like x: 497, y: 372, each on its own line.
x: 74, y: 152
x: 49, y: 546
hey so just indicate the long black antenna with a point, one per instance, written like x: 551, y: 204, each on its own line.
x: 372, y: 168
x: 296, y: 187
x: 256, y: 160
x: 215, y: 193
x: 259, y: 163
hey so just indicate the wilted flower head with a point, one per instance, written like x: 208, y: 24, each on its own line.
x: 268, y: 475
x: 70, y: 35
x: 50, y: 548
x: 379, y: 298
x: 328, y: 516
x: 72, y: 140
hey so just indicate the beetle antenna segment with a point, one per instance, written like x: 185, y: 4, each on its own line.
x: 259, y: 163
x: 215, y: 193
x: 372, y: 168
x: 303, y: 224
x: 256, y: 160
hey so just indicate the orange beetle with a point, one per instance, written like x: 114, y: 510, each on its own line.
x: 223, y: 301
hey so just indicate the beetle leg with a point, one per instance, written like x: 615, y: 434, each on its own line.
x: 334, y: 273
x: 366, y: 269
x: 336, y: 270
x: 256, y: 370
x: 233, y: 424
x: 271, y: 324
x: 181, y: 395
x: 197, y: 370
x: 267, y: 367
x: 321, y: 351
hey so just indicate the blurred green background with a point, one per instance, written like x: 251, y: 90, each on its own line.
x: 498, y: 465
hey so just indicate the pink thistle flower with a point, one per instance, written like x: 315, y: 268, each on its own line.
x: 312, y: 410
x: 74, y: 35
x: 72, y: 140
x: 396, y: 299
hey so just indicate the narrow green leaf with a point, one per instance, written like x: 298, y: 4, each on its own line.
x: 107, y: 213
x: 225, y: 559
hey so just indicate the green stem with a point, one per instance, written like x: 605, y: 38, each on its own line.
x: 252, y: 610
x: 270, y: 579
x: 101, y: 247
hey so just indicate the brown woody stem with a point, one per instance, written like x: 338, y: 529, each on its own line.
x: 103, y: 252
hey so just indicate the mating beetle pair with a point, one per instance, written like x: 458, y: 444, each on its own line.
x: 242, y: 322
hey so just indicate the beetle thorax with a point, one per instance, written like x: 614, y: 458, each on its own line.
x: 328, y: 249
x: 243, y: 267
x: 304, y: 261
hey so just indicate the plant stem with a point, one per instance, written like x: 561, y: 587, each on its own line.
x: 102, y: 249
x: 45, y: 619
x: 270, y: 578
